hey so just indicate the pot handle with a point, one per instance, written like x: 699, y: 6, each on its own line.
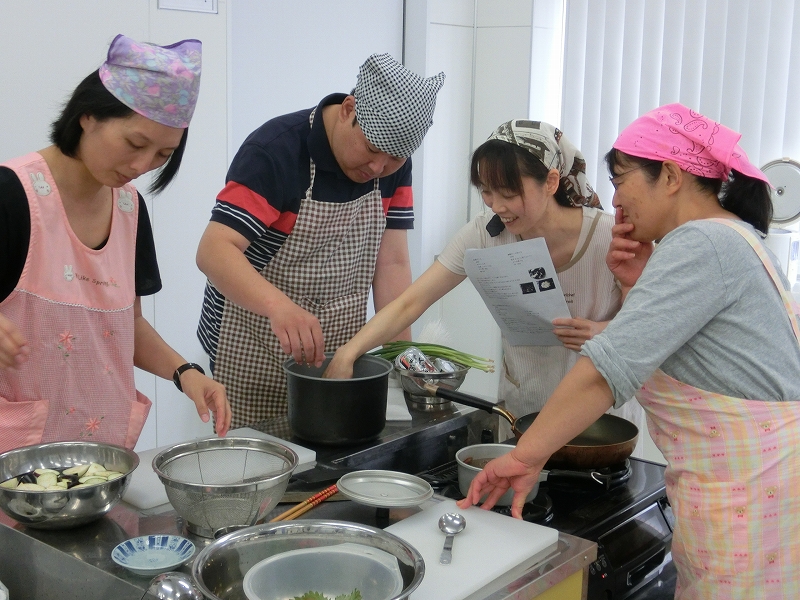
x: 469, y: 400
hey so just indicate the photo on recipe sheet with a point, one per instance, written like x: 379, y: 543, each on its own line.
x: 519, y: 285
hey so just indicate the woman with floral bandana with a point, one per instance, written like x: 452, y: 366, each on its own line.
x: 78, y: 254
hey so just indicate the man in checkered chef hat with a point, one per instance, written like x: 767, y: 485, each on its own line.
x: 314, y: 213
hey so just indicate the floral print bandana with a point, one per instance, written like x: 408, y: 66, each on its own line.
x: 158, y: 82
x: 697, y: 144
x: 554, y: 151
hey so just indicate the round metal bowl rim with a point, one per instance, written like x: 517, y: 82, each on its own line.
x: 309, y: 525
x: 130, y: 453
x: 186, y: 448
x: 477, y: 469
x: 368, y: 357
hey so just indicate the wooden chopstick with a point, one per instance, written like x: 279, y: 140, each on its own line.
x: 306, y: 505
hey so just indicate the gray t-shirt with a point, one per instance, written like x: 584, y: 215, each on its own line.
x: 707, y: 313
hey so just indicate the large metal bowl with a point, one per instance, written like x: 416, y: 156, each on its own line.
x: 224, y: 482
x: 220, y: 568
x: 63, y: 509
x: 413, y: 383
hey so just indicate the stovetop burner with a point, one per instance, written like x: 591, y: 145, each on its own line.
x: 589, y: 480
x: 539, y: 510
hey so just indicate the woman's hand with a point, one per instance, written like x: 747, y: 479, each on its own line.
x: 208, y: 394
x: 507, y: 471
x: 340, y: 367
x: 574, y: 332
x: 14, y: 349
x: 626, y: 258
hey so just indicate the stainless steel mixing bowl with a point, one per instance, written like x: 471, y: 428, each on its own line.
x: 413, y: 383
x: 222, y: 482
x: 220, y: 568
x: 63, y: 509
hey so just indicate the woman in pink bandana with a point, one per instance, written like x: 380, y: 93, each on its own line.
x: 708, y: 338
x: 78, y: 253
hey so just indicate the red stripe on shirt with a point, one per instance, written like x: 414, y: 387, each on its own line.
x: 403, y: 198
x: 256, y: 205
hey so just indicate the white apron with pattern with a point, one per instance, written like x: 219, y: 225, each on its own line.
x: 325, y: 266
x: 733, y: 480
x: 74, y: 305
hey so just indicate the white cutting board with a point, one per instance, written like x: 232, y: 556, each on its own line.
x: 145, y: 489
x: 490, y: 546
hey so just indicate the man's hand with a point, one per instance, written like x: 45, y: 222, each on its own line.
x: 299, y: 333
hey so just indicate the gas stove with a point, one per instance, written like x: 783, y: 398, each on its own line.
x: 623, y: 508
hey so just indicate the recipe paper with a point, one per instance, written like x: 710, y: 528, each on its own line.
x: 519, y: 285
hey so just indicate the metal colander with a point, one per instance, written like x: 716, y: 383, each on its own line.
x: 223, y: 482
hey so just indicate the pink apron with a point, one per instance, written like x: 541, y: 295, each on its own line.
x: 325, y: 266
x: 74, y: 305
x: 733, y: 480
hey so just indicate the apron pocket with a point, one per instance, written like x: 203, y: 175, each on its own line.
x: 22, y: 423
x: 713, y: 522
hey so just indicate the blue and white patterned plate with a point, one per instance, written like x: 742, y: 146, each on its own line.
x: 153, y: 554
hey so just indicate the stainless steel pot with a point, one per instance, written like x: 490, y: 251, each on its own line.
x: 470, y: 456
x: 338, y: 412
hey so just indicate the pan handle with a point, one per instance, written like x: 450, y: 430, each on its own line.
x: 469, y: 400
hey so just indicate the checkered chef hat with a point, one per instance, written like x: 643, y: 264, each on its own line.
x: 394, y: 106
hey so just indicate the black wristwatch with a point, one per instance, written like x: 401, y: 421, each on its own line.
x: 176, y: 376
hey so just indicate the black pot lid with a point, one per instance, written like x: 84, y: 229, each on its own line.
x: 385, y: 489
x: 784, y: 175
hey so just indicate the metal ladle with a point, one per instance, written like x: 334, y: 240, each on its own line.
x: 451, y: 524
x: 173, y: 585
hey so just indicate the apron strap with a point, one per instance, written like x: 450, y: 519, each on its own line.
x: 755, y: 243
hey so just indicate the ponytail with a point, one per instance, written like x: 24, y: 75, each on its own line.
x: 749, y: 199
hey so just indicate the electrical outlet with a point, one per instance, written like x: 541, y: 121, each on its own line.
x: 209, y: 6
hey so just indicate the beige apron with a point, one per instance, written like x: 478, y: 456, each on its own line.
x: 733, y: 480
x: 326, y: 267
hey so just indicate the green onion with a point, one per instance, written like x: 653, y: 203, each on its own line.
x: 391, y: 350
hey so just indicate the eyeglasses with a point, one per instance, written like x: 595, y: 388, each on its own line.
x: 614, y: 179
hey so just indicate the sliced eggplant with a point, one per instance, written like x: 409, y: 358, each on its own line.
x: 10, y: 484
x: 94, y: 468
x: 43, y: 471
x: 27, y: 477
x: 114, y: 475
x: 31, y: 487
x: 91, y: 480
x: 79, y: 470
x: 47, y: 479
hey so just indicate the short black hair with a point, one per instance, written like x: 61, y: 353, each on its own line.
x: 500, y: 165
x: 91, y: 98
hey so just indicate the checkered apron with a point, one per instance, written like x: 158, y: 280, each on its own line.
x: 733, y: 479
x: 326, y: 267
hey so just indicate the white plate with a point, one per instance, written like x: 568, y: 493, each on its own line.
x: 385, y: 489
x: 153, y: 554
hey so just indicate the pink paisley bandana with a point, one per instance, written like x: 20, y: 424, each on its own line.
x: 158, y: 82
x: 697, y: 144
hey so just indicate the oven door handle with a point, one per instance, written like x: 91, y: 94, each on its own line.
x: 637, y: 575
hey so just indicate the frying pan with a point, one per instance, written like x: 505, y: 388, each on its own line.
x: 606, y: 442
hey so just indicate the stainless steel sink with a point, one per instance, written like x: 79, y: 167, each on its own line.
x: 34, y: 570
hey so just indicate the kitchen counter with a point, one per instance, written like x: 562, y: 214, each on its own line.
x: 76, y: 564
x: 44, y: 565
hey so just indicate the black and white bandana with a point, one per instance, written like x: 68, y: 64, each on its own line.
x: 394, y: 106
x: 555, y: 151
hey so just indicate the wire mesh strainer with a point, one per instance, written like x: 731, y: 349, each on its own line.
x: 223, y: 482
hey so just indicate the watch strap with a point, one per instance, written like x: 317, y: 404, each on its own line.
x: 176, y: 376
